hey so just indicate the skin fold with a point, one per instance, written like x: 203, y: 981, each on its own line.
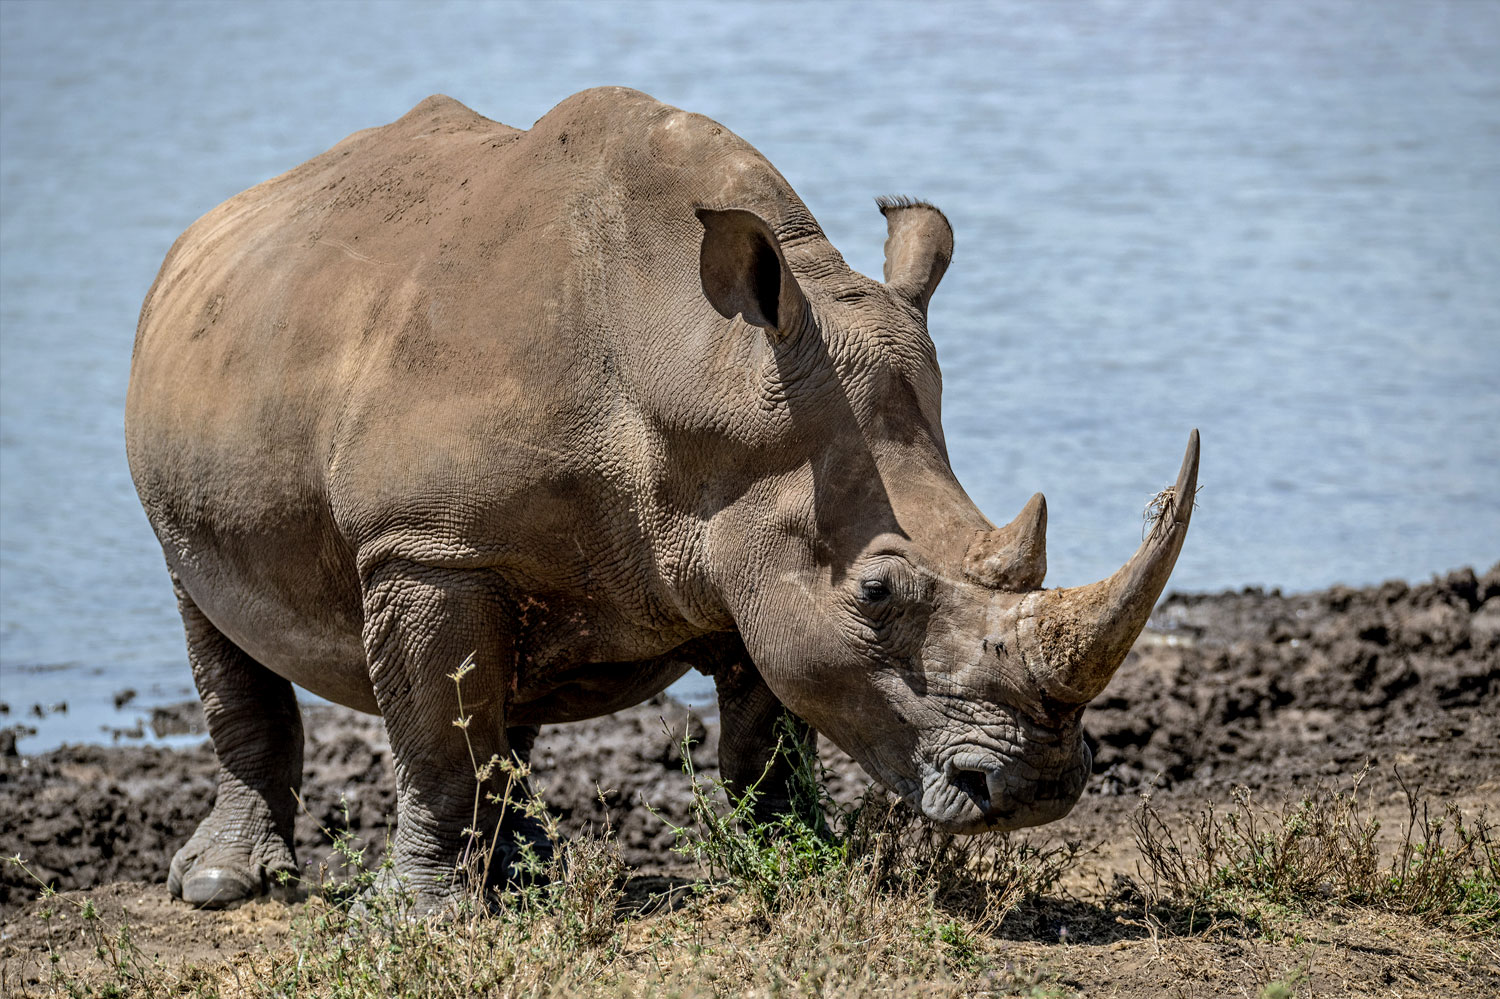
x: 595, y: 404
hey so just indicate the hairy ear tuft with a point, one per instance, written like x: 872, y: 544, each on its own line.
x: 888, y: 201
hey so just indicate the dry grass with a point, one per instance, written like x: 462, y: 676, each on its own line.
x: 883, y: 906
x: 831, y: 901
x: 855, y: 901
x: 1319, y: 852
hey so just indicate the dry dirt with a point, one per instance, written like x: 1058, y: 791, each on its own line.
x: 1255, y: 690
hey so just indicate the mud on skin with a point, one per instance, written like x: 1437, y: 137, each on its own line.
x: 1250, y: 688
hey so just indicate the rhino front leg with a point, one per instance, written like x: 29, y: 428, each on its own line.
x: 753, y: 723
x: 246, y: 841
x: 421, y: 623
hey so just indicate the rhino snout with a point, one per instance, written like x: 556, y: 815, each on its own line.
x: 976, y: 790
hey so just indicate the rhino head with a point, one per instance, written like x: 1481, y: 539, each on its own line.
x: 876, y: 600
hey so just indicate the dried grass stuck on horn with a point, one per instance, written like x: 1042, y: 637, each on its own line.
x: 1160, y: 512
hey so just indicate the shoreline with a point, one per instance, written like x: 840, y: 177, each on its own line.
x: 126, y: 717
x: 1247, y: 688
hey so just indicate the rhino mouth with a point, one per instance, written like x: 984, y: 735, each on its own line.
x: 979, y: 790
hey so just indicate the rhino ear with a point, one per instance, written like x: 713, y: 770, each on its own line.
x: 918, y: 247
x: 744, y: 272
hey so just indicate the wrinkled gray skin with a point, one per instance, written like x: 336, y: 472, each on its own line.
x: 597, y: 403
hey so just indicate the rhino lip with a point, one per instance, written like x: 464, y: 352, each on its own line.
x: 973, y: 774
x: 980, y: 790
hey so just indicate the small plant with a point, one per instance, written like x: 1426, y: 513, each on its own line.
x: 958, y: 940
x: 526, y: 868
x: 1285, y: 987
x: 1321, y: 851
x: 126, y: 971
x: 767, y: 859
x: 874, y: 847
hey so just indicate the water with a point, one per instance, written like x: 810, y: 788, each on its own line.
x: 1275, y: 221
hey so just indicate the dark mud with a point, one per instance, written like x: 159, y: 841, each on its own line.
x: 1261, y: 689
x: 1249, y: 688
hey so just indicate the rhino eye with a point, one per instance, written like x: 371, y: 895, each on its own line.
x: 874, y: 590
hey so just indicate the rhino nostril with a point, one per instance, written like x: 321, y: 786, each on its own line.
x: 974, y: 784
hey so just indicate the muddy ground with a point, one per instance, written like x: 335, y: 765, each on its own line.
x: 1251, y: 689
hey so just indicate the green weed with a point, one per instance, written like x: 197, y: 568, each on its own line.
x: 833, y: 869
x: 125, y: 970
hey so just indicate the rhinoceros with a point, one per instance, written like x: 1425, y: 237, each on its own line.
x: 594, y: 404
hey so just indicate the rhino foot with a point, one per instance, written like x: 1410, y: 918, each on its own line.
x: 218, y: 869
x: 524, y: 856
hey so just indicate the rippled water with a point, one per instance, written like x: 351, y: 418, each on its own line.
x: 1275, y: 221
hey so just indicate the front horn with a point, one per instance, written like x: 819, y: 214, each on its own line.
x: 1074, y: 639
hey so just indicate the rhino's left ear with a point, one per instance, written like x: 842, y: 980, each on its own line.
x: 744, y: 272
x: 918, y: 247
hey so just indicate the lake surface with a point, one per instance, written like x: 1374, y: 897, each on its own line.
x: 1276, y: 221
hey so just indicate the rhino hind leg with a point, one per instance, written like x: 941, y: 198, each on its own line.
x: 240, y: 850
x: 761, y: 741
x: 454, y: 834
